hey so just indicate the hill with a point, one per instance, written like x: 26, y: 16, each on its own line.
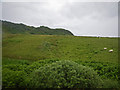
x: 39, y: 47
x: 14, y: 28
x: 33, y: 58
x: 33, y: 61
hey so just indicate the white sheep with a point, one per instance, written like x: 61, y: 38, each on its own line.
x: 111, y: 50
x: 105, y: 48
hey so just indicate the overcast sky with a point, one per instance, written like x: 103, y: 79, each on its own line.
x: 81, y: 18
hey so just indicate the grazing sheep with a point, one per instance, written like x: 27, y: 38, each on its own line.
x: 105, y: 48
x: 111, y: 50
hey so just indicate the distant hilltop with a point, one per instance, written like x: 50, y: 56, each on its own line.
x: 15, y: 28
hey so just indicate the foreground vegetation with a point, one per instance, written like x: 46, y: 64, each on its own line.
x: 33, y: 61
x: 58, y: 74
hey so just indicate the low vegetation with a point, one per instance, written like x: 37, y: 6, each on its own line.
x: 56, y: 74
x: 64, y: 74
x: 51, y: 61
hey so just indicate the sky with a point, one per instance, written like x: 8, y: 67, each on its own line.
x: 81, y: 18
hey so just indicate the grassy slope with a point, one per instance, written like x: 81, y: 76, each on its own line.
x: 39, y: 47
x: 26, y: 53
x: 14, y: 28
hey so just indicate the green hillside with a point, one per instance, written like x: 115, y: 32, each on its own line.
x: 54, y: 58
x: 59, y: 61
x: 37, y: 47
x: 13, y: 28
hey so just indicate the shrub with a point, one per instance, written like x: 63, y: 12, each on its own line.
x: 12, y: 79
x: 108, y: 83
x: 15, y: 67
x: 64, y: 74
x: 38, y: 64
x: 105, y: 70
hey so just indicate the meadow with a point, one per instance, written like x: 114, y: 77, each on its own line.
x: 59, y: 61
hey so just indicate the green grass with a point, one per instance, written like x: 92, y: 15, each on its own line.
x: 27, y: 53
x: 38, y: 47
x: 8, y: 61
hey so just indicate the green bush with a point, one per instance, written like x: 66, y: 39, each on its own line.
x: 12, y: 79
x: 63, y: 74
x: 105, y: 70
x: 15, y: 67
x: 38, y: 64
x: 108, y: 83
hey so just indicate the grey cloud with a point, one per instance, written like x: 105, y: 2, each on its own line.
x: 91, y: 18
x: 79, y: 10
x: 0, y: 8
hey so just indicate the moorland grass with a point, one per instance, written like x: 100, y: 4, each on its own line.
x: 39, y: 47
x: 24, y: 54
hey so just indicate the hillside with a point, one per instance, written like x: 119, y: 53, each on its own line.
x: 39, y: 61
x: 39, y: 47
x: 13, y: 28
x: 33, y: 58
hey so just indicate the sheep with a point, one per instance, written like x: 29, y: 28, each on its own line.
x: 105, y: 48
x: 111, y: 50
